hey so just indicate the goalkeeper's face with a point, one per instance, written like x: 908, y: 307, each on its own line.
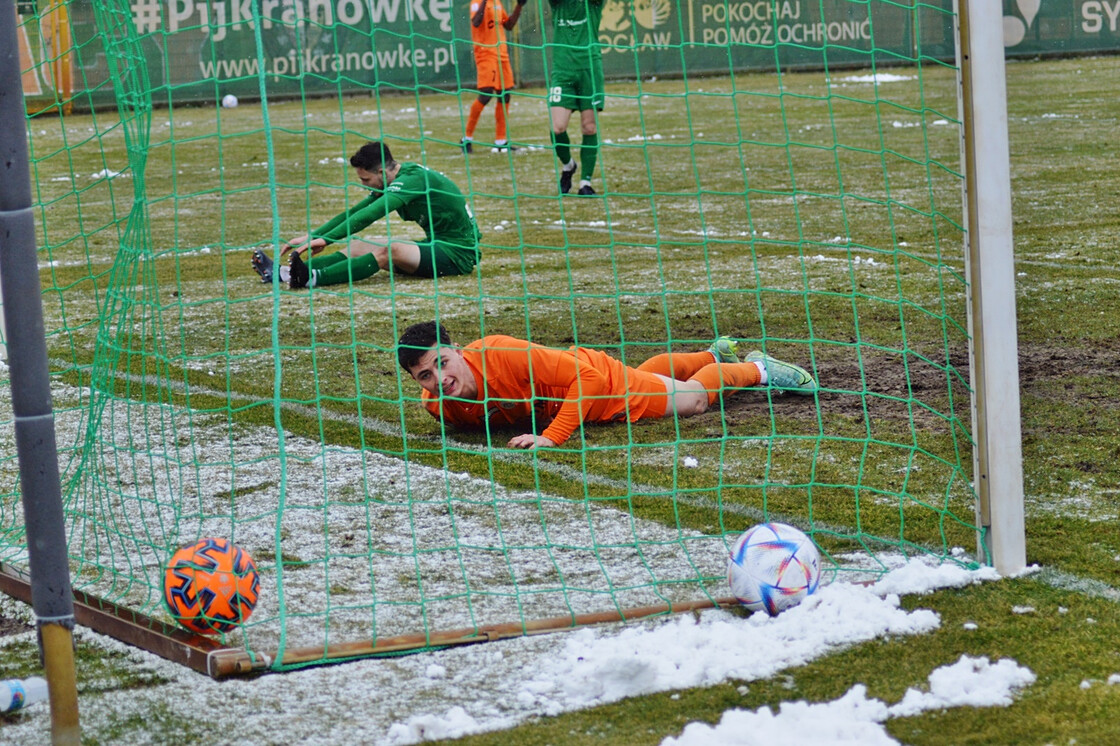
x: 442, y: 371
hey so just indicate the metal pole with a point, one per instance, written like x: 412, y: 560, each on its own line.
x: 994, y: 346
x: 3, y: 341
x: 51, y: 595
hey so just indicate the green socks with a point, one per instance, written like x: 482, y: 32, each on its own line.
x: 588, y: 152
x: 338, y: 268
x: 325, y: 260
x: 588, y: 155
x: 563, y: 150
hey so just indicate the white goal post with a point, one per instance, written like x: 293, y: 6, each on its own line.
x: 990, y: 266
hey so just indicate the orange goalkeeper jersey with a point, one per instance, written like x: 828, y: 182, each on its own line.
x: 490, y: 37
x: 525, y: 382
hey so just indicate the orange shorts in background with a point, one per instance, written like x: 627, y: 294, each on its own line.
x: 494, y: 73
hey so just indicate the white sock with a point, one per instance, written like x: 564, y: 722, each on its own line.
x: 763, y: 378
x: 314, y: 276
x: 585, y: 182
x: 570, y: 165
x: 285, y: 273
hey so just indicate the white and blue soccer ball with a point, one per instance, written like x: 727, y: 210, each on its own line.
x: 229, y: 101
x: 773, y: 567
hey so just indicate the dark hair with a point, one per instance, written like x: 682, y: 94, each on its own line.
x: 418, y: 339
x: 372, y: 156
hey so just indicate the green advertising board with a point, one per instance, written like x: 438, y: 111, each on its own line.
x: 1051, y: 27
x: 200, y: 50
x: 716, y: 36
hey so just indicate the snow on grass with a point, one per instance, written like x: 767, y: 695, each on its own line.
x: 876, y: 78
x: 494, y: 686
x: 854, y: 719
x: 352, y: 544
x: 363, y: 545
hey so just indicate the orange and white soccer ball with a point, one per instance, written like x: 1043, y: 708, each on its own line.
x: 211, y: 586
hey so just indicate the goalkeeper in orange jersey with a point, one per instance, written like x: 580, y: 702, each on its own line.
x: 506, y: 380
x: 489, y: 23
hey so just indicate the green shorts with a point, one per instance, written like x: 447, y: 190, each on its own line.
x: 442, y: 258
x: 577, y: 89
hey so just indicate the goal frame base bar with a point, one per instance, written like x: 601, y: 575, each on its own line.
x: 197, y: 652
x: 207, y: 655
x: 490, y: 632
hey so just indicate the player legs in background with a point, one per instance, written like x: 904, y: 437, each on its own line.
x: 576, y: 84
x: 564, y: 104
x: 489, y: 23
x: 501, y: 114
x: 363, y: 259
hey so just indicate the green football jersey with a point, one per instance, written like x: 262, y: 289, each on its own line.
x: 575, y: 33
x: 418, y: 194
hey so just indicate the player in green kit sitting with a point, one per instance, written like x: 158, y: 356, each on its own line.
x: 417, y: 194
x: 575, y: 83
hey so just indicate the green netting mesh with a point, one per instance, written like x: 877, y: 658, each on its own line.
x: 785, y: 173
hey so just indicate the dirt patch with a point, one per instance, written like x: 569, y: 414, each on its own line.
x: 1040, y: 366
x: 878, y: 385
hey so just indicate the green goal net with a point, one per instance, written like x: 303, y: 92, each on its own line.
x: 784, y: 173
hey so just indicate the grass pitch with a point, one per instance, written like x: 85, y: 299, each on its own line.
x: 1065, y: 187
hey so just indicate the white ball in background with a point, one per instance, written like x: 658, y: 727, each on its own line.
x: 229, y: 101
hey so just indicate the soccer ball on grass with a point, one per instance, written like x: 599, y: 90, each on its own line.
x: 773, y: 567
x: 211, y: 586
